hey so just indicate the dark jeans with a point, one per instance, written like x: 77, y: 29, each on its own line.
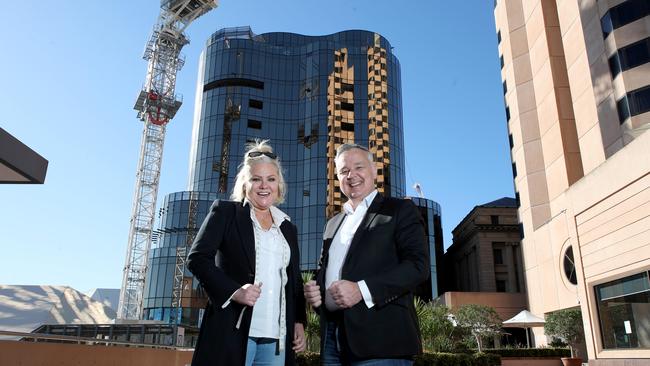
x: 335, y: 351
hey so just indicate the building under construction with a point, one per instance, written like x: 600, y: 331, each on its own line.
x: 307, y: 95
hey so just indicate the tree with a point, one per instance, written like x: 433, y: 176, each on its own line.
x: 438, y: 332
x: 566, y: 324
x: 481, y: 321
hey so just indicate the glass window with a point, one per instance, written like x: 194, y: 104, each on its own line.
x: 501, y: 285
x: 624, y: 312
x: 497, y: 253
x: 494, y: 219
x: 569, y: 266
x: 630, y: 56
x: 623, y: 109
x: 623, y: 14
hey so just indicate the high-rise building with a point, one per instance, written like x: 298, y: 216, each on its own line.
x: 576, y: 81
x: 307, y: 95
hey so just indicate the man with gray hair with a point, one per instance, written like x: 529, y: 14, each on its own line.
x: 374, y: 255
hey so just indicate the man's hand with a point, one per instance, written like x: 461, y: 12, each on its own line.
x: 312, y: 293
x: 346, y: 294
x: 299, y: 342
x: 248, y: 294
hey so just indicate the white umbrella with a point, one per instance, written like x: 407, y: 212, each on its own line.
x: 525, y: 319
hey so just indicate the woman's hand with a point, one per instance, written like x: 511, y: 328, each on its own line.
x: 299, y: 342
x: 247, y: 294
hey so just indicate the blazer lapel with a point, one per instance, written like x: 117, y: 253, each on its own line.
x: 245, y: 229
x: 330, y: 231
x: 363, y: 227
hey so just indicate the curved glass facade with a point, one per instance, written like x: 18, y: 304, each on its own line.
x: 307, y: 95
x: 179, y: 217
x: 432, y: 217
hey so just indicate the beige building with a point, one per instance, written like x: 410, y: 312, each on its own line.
x: 576, y: 79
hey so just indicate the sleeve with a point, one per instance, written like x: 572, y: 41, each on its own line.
x: 365, y: 292
x: 413, y: 266
x: 201, y: 260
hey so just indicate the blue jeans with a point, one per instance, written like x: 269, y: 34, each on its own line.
x: 334, y: 351
x: 262, y: 352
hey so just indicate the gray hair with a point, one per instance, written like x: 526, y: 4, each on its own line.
x: 244, y: 173
x: 347, y: 147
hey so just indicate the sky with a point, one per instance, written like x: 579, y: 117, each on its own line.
x: 70, y: 72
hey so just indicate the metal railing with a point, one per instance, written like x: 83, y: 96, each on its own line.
x: 83, y: 340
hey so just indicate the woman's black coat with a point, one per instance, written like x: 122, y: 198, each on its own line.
x: 226, y: 236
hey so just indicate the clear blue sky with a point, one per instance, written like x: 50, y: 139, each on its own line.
x: 70, y: 72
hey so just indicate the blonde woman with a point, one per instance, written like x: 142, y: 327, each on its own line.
x: 246, y: 258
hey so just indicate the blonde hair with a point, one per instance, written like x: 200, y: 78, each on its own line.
x: 244, y: 173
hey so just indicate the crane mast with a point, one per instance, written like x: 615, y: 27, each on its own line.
x: 156, y: 105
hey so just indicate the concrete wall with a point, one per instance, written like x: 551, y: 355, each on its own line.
x: 47, y: 354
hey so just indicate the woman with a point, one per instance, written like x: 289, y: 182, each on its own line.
x: 256, y: 310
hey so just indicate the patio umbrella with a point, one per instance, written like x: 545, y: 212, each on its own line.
x: 525, y: 319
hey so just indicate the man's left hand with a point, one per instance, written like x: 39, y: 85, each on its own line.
x: 346, y: 294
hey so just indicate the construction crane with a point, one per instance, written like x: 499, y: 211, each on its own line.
x: 156, y: 104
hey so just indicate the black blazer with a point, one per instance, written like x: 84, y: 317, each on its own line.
x: 389, y: 252
x: 227, y: 236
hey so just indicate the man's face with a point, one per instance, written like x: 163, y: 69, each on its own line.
x: 356, y: 175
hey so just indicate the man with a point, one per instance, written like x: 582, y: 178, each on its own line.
x: 374, y: 255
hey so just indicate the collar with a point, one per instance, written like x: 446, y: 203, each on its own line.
x: 278, y: 215
x: 367, y: 200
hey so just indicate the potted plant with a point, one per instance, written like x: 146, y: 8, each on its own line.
x: 566, y: 324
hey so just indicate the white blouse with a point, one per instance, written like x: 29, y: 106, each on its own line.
x: 272, y: 255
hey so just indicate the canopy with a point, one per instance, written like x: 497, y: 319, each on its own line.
x: 525, y: 319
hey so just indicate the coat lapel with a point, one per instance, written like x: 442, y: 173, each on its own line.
x: 245, y: 229
x: 363, y: 228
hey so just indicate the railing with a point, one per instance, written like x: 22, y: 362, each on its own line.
x: 83, y: 340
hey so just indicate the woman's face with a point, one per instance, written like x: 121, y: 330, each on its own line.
x: 262, y: 188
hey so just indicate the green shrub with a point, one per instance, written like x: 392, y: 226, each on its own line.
x: 530, y: 352
x: 426, y: 359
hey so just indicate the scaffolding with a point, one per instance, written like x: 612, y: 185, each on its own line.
x: 156, y: 104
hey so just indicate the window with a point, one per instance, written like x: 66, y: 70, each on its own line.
x: 499, y: 36
x: 507, y: 113
x: 501, y: 61
x: 257, y: 104
x: 347, y: 106
x: 505, y: 87
x: 623, y: 14
x: 501, y: 286
x: 624, y: 312
x: 494, y: 219
x: 347, y: 126
x: 634, y: 103
x: 497, y: 253
x: 630, y: 56
x: 347, y: 87
x: 623, y: 109
x: 569, y: 266
x: 255, y: 124
x: 514, y: 170
x: 511, y: 142
x: 517, y: 199
x: 234, y: 82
